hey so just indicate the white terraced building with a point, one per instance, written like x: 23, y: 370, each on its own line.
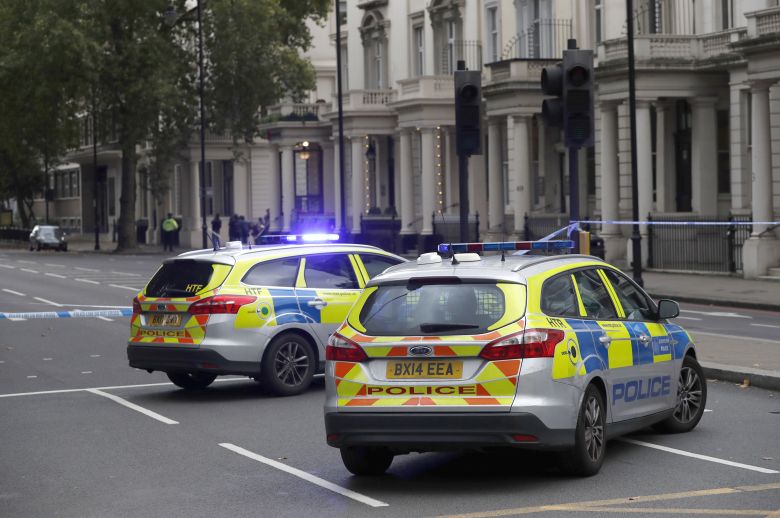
x: 708, y: 122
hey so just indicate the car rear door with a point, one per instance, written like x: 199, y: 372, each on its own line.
x: 327, y: 287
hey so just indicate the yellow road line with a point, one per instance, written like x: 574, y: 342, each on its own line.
x: 588, y: 505
x: 669, y: 510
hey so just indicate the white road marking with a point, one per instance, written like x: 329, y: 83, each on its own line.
x: 28, y: 270
x: 47, y: 301
x: 47, y: 359
x: 106, y: 319
x: 85, y: 269
x: 88, y: 281
x: 735, y: 337
x: 707, y: 410
x: 697, y: 456
x: 716, y: 313
x: 8, y: 266
x: 98, y: 356
x: 31, y: 377
x: 25, y: 261
x: 766, y: 325
x: 123, y: 287
x: 15, y: 319
x: 115, y: 387
x: 305, y: 476
x: 54, y: 265
x: 57, y: 275
x: 12, y: 292
x: 133, y: 406
x: 86, y: 372
x: 688, y: 318
x: 129, y: 274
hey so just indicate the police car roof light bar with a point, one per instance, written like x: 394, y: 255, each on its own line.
x: 299, y: 238
x: 451, y: 248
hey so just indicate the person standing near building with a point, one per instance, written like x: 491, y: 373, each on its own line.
x: 216, y: 224
x: 243, y: 226
x: 169, y: 226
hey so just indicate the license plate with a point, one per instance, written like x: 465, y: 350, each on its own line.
x: 410, y: 369
x: 165, y: 320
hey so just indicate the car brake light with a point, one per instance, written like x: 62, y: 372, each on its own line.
x: 136, y: 306
x: 531, y: 343
x: 220, y: 304
x: 342, y: 349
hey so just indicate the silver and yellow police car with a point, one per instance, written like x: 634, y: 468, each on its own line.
x: 553, y: 352
x: 263, y: 311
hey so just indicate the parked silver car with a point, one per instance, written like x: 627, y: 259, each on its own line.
x: 48, y: 236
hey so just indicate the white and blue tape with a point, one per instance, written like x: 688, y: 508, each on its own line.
x: 123, y: 312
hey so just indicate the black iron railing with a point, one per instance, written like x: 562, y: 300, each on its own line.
x: 446, y: 228
x: 14, y: 234
x: 543, y: 39
x: 537, y: 226
x: 466, y: 50
x: 706, y: 248
x: 380, y: 230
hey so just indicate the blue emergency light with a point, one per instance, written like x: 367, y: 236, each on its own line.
x: 452, y: 248
x: 298, y: 238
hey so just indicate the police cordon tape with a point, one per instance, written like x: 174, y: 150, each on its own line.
x: 123, y: 312
x: 682, y: 223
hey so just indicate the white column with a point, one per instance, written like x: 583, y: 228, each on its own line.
x: 762, y: 250
x: 495, y: 178
x: 521, y: 199
x: 704, y: 156
x: 541, y: 151
x: 478, y: 200
x: 358, y: 182
x: 338, y: 192
x: 288, y: 187
x: 405, y: 170
x: 452, y: 174
x: 379, y: 197
x: 662, y: 184
x: 328, y: 178
x: 428, y: 180
x: 195, y: 197
x: 610, y: 183
x: 644, y: 157
x: 275, y: 190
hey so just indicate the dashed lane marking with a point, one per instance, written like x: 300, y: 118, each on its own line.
x: 363, y: 499
x: 47, y: 301
x: 89, y: 281
x: 28, y: 270
x: 688, y: 318
x: 57, y: 275
x: 12, y: 292
x: 54, y: 265
x: 698, y: 456
x: 728, y: 314
x: 106, y: 319
x: 85, y: 269
x: 8, y: 266
x: 588, y: 505
x: 132, y: 406
x: 735, y: 337
x: 25, y: 261
x: 128, y: 274
x: 123, y: 287
x: 115, y: 387
x: 766, y: 325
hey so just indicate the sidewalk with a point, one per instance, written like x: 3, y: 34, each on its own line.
x: 713, y: 289
x: 108, y: 247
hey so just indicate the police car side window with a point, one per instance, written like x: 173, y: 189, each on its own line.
x: 281, y: 272
x: 558, y: 298
x: 635, y: 305
x: 594, y: 295
x: 376, y: 264
x: 330, y: 271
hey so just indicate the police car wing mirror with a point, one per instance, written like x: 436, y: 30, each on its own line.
x: 668, y: 309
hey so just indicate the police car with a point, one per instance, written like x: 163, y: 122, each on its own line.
x: 555, y: 352
x: 263, y: 311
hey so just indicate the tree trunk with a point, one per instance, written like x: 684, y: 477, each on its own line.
x: 127, y: 237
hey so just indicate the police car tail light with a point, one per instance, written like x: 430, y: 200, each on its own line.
x: 531, y: 343
x: 136, y: 306
x: 220, y: 304
x: 342, y: 349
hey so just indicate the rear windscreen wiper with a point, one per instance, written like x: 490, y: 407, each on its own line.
x: 430, y: 327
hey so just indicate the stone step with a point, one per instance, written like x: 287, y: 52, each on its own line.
x: 773, y: 278
x: 774, y: 272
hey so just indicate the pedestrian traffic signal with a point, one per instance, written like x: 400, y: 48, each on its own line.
x: 570, y: 84
x: 468, y: 112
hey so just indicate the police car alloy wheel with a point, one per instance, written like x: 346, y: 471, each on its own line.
x: 586, y: 457
x: 191, y: 380
x: 691, y: 398
x: 288, y: 365
x: 366, y: 461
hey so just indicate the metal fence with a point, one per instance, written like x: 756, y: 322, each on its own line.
x: 446, y: 228
x: 469, y: 51
x: 537, y: 226
x: 380, y: 230
x: 706, y: 248
x: 14, y: 234
x: 543, y: 39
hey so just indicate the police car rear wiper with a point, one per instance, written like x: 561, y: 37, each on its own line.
x: 430, y: 327
x: 175, y: 291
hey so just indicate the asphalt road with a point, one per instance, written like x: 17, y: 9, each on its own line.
x: 134, y: 445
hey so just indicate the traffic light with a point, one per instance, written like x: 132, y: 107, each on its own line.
x: 468, y: 112
x: 570, y: 84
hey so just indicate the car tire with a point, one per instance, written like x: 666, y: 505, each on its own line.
x: 691, y: 399
x: 366, y: 461
x: 288, y: 365
x: 590, y: 442
x: 191, y: 380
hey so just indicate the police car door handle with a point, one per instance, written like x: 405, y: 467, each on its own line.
x: 605, y: 339
x: 317, y: 303
x: 644, y: 339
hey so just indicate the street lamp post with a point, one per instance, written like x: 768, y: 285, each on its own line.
x: 340, y: 104
x: 95, y: 172
x: 636, y: 238
x: 171, y: 18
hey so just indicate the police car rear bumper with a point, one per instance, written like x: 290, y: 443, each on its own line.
x: 170, y: 359
x: 443, y: 431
